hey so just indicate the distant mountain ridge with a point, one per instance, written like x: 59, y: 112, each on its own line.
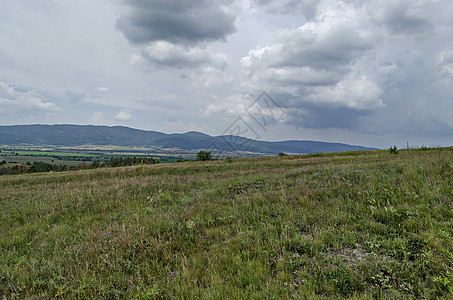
x: 78, y: 135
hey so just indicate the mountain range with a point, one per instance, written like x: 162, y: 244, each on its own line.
x: 78, y: 135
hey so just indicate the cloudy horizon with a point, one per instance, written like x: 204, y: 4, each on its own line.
x: 372, y: 73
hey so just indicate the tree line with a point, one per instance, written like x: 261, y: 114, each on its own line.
x: 43, y: 167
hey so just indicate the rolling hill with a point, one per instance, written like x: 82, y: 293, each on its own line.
x: 77, y: 135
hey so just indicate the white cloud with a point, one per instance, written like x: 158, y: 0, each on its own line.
x: 357, y: 93
x: 234, y: 105
x: 102, y: 89
x: 98, y: 118
x: 124, y: 115
x: 160, y: 54
x: 18, y: 103
x: 445, y: 64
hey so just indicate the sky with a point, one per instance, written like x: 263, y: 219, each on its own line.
x: 373, y: 73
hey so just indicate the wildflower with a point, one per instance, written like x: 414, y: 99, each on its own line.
x: 59, y: 292
x: 172, y: 275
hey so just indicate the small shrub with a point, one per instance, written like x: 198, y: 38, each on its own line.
x: 393, y: 150
x: 282, y: 154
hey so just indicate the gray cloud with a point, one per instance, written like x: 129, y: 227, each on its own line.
x: 402, y: 16
x: 362, y: 65
x: 75, y: 96
x: 325, y: 116
x: 324, y: 48
x: 176, y: 34
x: 316, y: 69
x: 330, y: 50
x: 306, y: 8
x: 178, y: 22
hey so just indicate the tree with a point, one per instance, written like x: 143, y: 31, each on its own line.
x: 96, y: 164
x: 41, y: 167
x: 204, y: 155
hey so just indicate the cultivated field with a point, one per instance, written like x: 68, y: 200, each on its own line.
x: 354, y: 225
x: 74, y: 156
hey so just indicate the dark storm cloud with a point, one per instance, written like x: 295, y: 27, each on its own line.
x: 179, y: 22
x: 176, y: 34
x: 325, y: 116
x: 302, y: 112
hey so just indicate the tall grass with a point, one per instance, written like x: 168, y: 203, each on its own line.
x: 353, y: 225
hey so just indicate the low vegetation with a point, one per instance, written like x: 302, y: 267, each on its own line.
x: 363, y: 225
x: 42, y: 167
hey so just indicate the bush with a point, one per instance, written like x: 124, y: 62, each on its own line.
x: 96, y: 164
x: 393, y: 150
x: 282, y: 154
x: 204, y: 155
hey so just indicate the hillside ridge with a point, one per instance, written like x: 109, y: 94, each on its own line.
x: 78, y: 135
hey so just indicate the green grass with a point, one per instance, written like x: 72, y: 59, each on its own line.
x: 369, y: 225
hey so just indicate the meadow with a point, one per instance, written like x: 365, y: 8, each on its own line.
x: 357, y: 225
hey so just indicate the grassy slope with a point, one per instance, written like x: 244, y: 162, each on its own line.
x: 365, y: 226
